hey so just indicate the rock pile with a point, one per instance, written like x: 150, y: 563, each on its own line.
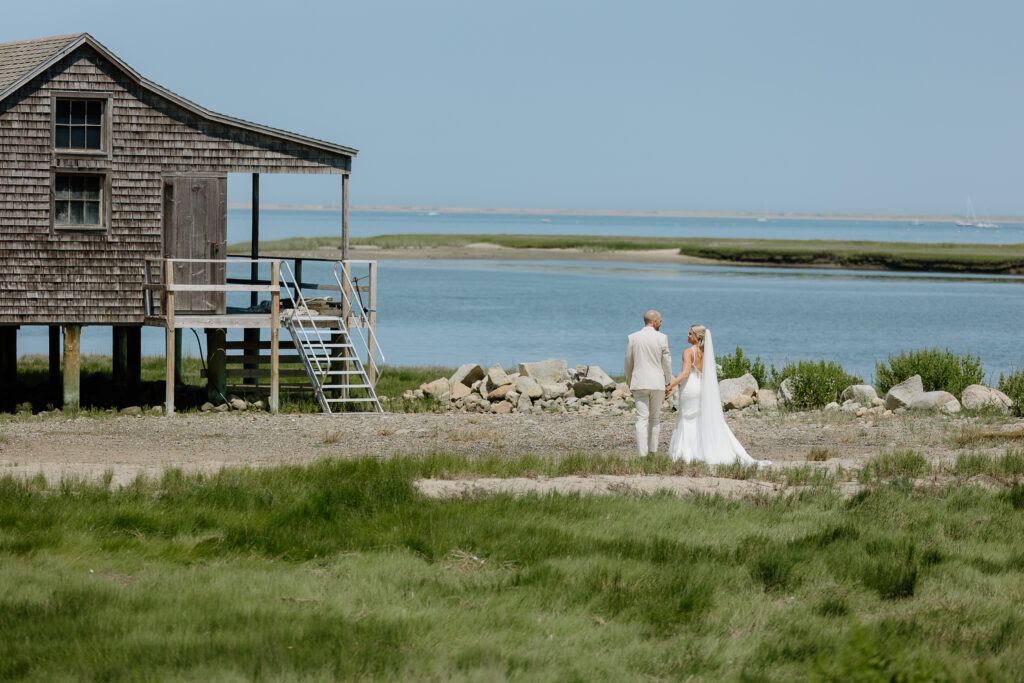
x: 234, y: 403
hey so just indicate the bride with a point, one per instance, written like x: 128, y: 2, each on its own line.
x: 701, y: 433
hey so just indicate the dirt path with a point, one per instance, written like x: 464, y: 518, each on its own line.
x: 56, y: 446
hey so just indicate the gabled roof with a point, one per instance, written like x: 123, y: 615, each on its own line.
x: 23, y: 60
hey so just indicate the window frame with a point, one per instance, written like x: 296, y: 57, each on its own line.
x: 107, y: 98
x: 104, y: 177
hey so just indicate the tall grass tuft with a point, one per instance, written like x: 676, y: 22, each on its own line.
x: 1013, y: 386
x: 814, y: 384
x: 736, y: 364
x: 940, y: 370
x: 906, y: 464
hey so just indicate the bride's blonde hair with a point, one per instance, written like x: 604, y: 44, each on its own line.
x: 698, y: 333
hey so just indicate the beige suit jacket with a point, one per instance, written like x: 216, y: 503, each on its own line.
x: 648, y: 363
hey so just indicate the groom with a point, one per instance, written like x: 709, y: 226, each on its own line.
x: 648, y: 371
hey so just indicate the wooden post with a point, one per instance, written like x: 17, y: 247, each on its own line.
x: 179, y: 366
x: 119, y: 369
x: 133, y: 374
x: 344, y: 217
x: 8, y: 365
x: 55, y: 383
x: 169, y: 339
x: 72, y: 367
x: 254, y: 250
x: 275, y: 320
x: 371, y: 362
x: 216, y: 365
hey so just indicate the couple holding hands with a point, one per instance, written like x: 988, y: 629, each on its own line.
x: 701, y: 433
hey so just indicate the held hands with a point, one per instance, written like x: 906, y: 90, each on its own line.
x: 668, y: 390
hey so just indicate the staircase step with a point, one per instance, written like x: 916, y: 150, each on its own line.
x: 351, y: 400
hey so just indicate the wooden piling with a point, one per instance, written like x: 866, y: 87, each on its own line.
x: 275, y: 322
x: 119, y: 369
x: 72, y: 367
x: 168, y: 273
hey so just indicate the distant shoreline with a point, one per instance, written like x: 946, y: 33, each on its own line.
x: 462, y: 210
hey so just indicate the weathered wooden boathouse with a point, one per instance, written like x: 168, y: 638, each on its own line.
x: 113, y: 212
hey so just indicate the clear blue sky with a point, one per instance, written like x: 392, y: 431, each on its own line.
x: 867, y: 106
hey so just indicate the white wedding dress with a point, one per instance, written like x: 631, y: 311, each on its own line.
x: 701, y: 433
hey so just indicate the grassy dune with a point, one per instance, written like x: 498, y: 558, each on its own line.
x: 906, y: 256
x: 341, y: 570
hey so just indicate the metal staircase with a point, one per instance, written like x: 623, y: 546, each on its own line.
x: 329, y: 350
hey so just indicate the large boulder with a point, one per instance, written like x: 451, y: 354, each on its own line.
x: 903, y: 393
x: 766, y: 398
x: 935, y: 400
x: 586, y: 387
x: 738, y: 401
x: 598, y: 375
x: 496, y: 377
x: 731, y: 388
x: 467, y: 374
x: 979, y: 396
x: 439, y: 389
x: 528, y: 386
x: 460, y: 390
x: 501, y: 392
x: 550, y: 391
x: 546, y: 371
x: 863, y: 394
x: 786, y: 391
x: 524, y: 403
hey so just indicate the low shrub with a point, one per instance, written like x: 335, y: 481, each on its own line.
x: 940, y: 370
x: 735, y: 364
x: 1013, y: 386
x: 814, y: 384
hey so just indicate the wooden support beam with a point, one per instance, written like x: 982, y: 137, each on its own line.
x: 168, y: 272
x: 216, y: 365
x: 55, y: 383
x: 179, y: 367
x: 254, y: 250
x: 8, y: 365
x: 72, y: 367
x: 119, y: 369
x: 275, y: 321
x: 344, y: 217
x: 133, y: 362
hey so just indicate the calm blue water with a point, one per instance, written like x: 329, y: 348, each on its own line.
x: 453, y: 312
x: 281, y: 224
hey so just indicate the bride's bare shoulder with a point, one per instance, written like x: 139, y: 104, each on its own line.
x: 688, y: 352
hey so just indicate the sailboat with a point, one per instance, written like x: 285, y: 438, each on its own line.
x: 972, y: 221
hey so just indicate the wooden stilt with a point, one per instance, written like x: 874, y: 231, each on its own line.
x: 119, y: 371
x: 169, y: 340
x: 72, y: 367
x: 216, y: 365
x: 275, y: 321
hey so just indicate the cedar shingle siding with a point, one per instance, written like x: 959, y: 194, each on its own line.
x: 51, y: 277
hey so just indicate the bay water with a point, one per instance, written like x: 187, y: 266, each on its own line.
x: 449, y: 312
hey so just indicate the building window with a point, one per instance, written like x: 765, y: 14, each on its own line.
x: 78, y: 124
x: 78, y: 201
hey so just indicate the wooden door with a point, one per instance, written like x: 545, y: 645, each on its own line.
x: 196, y: 227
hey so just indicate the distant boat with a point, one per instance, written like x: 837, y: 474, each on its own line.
x: 433, y: 213
x: 545, y: 220
x: 762, y: 219
x: 972, y: 221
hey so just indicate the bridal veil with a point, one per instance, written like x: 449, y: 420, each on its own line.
x: 718, y: 443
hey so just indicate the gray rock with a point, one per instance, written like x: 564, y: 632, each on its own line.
x: 512, y: 397
x: 586, y: 387
x: 903, y: 393
x: 935, y: 400
x: 550, y: 391
x: 496, y: 377
x: 979, y: 396
x: 529, y: 386
x: 730, y: 388
x: 786, y: 391
x: 545, y: 371
x: 598, y: 375
x: 766, y: 398
x: 863, y: 394
x: 238, y: 404
x: 524, y: 404
x: 132, y: 410
x: 467, y: 374
x: 206, y: 407
x: 832, y: 406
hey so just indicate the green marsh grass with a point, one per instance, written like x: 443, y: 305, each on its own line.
x: 341, y: 569
x: 910, y: 256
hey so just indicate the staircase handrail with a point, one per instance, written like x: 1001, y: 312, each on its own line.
x: 355, y: 305
x: 299, y: 304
